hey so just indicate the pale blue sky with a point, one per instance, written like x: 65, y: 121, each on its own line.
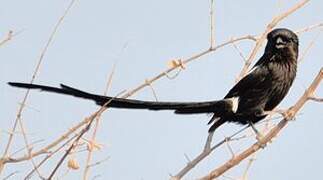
x: 143, y: 144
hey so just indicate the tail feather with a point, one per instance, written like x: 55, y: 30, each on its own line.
x: 216, y: 107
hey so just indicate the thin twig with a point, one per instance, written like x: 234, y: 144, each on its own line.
x: 239, y: 51
x: 50, y: 154
x: 245, y: 173
x: 99, y: 162
x: 10, y: 175
x: 7, y: 38
x: 310, y: 45
x: 309, y: 28
x: 91, y: 118
x: 24, y: 148
x: 70, y: 149
x: 206, y: 152
x: 152, y: 90
x: 229, y: 146
x: 90, y: 150
x: 316, y: 99
x: 212, y: 32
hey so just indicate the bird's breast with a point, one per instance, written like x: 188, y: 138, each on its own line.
x: 282, y: 76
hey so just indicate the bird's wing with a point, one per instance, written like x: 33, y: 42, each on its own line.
x: 252, y: 82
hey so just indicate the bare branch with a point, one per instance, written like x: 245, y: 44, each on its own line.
x: 251, y: 160
x: 90, y: 150
x: 212, y: 36
x: 315, y: 99
x: 309, y: 28
x: 239, y: 51
x: 206, y: 152
x: 7, y: 38
x: 229, y: 146
x: 311, y: 44
x: 50, y: 154
x: 10, y: 175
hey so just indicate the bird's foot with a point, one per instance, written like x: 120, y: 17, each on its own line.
x: 275, y: 111
x: 259, y: 135
x: 259, y: 138
x: 287, y: 114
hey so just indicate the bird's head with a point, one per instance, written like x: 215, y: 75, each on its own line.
x: 283, y: 41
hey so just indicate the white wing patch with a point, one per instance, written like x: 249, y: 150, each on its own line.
x: 235, y: 103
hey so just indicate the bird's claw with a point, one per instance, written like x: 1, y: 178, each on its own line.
x: 259, y: 138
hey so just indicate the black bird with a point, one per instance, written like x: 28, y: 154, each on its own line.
x: 260, y: 91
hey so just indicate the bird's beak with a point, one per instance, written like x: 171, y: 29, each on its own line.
x: 280, y: 43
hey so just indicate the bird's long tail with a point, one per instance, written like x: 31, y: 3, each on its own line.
x: 217, y: 107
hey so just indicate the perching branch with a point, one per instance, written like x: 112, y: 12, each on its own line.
x: 288, y: 115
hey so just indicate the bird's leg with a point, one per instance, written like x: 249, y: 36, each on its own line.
x: 259, y: 135
x: 208, y: 141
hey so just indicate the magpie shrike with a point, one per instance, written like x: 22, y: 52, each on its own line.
x: 261, y: 90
